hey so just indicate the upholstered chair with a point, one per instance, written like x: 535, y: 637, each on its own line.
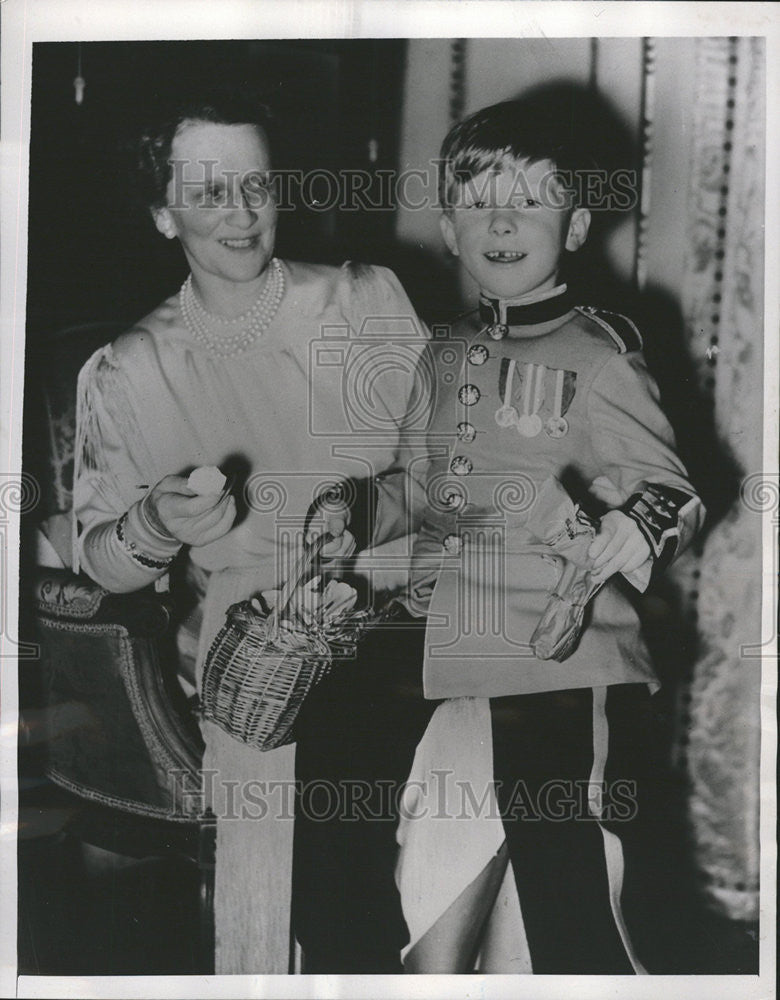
x: 122, y: 736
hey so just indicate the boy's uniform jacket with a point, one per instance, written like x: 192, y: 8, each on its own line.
x: 566, y: 394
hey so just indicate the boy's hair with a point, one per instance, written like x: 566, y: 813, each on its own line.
x: 510, y: 131
x: 219, y: 106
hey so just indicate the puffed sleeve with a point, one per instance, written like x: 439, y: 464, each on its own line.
x: 108, y: 471
x: 387, y: 340
x: 387, y: 389
x: 642, y: 474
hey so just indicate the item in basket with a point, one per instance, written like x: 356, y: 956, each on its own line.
x: 337, y: 599
x: 312, y: 605
x: 206, y: 481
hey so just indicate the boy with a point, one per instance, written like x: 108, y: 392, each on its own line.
x: 505, y: 572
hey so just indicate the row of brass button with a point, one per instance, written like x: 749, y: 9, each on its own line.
x: 460, y: 465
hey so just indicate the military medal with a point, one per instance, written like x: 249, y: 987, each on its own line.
x: 530, y: 423
x: 506, y: 415
x: 557, y: 425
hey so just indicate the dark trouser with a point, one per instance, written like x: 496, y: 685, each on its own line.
x: 356, y: 741
x: 356, y: 738
x: 549, y: 751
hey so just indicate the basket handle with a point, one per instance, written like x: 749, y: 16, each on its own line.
x: 301, y: 573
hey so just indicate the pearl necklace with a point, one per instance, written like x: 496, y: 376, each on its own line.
x: 251, y: 324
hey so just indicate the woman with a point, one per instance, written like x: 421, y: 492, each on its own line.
x: 289, y: 375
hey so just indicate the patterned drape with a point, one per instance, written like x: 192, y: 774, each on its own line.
x: 722, y: 304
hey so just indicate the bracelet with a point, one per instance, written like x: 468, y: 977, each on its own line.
x: 153, y: 524
x: 143, y: 558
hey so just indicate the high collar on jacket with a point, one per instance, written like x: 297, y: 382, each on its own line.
x: 527, y: 310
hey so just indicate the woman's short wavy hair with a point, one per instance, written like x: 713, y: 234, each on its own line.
x: 152, y: 151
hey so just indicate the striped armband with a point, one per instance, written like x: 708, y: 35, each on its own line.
x: 657, y: 513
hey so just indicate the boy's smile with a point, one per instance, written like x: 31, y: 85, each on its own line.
x: 503, y: 256
x: 510, y: 227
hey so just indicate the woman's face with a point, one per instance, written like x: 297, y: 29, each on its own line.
x: 219, y: 200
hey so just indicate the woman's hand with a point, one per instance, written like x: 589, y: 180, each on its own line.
x: 175, y: 510
x: 619, y: 547
x: 332, y: 518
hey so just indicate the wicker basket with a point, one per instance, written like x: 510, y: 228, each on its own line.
x: 260, y: 667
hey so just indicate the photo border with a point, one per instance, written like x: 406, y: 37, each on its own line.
x: 24, y: 22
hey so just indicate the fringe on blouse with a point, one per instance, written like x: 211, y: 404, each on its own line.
x: 100, y: 379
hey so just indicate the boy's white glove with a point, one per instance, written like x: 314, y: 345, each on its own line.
x: 619, y: 546
x: 332, y: 518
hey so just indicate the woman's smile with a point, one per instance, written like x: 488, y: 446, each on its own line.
x: 240, y: 243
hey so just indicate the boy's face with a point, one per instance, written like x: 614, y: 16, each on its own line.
x: 510, y: 227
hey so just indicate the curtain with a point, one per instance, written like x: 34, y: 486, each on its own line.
x: 723, y: 304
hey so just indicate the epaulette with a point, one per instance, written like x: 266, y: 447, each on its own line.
x: 624, y: 334
x: 357, y: 270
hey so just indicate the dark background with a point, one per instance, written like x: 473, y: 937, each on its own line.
x: 94, y: 253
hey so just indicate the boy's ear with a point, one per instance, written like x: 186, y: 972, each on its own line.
x: 448, y: 232
x: 579, y: 224
x: 164, y: 222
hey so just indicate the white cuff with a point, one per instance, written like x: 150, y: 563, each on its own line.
x: 640, y: 577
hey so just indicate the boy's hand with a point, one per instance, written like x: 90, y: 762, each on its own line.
x: 619, y: 547
x: 332, y: 519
